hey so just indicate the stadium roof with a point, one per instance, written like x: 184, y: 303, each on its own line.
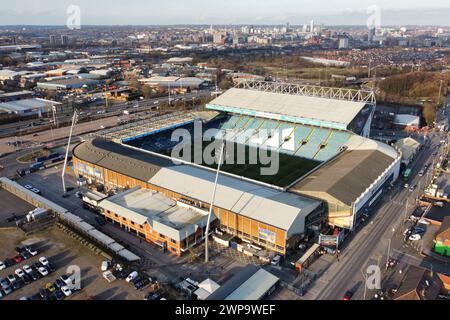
x: 251, y: 283
x: 239, y: 196
x: 235, y: 195
x: 316, y: 111
x: 118, y: 158
x: 348, y: 176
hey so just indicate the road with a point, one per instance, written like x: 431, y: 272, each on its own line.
x: 370, y: 245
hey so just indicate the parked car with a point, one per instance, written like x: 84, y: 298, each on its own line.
x: 27, y: 269
x: 105, y: 265
x: 50, y: 287
x: 19, y: 273
x: 31, y: 251
x: 66, y: 279
x: 7, y: 290
x: 17, y: 259
x: 25, y: 255
x: 2, y: 265
x: 415, y: 237
x: 66, y: 291
x: 11, y: 278
x: 141, y: 283
x: 276, y: 260
x: 59, y: 283
x: 34, y: 275
x: 43, y: 261
x: 43, y: 271
x: 133, y: 275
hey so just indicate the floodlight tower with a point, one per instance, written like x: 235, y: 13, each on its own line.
x: 212, y: 201
x: 74, y: 120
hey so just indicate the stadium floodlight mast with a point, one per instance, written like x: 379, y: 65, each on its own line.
x: 74, y: 120
x: 212, y: 201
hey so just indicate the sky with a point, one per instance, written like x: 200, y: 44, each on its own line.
x: 156, y: 12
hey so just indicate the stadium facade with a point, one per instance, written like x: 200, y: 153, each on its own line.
x: 329, y: 170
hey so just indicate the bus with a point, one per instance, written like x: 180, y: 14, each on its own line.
x: 407, y: 174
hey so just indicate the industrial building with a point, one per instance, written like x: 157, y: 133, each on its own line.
x: 67, y: 84
x: 29, y: 107
x: 328, y: 171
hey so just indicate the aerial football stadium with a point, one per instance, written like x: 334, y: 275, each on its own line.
x: 328, y: 170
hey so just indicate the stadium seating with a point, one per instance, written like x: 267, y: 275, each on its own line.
x: 321, y: 144
x: 333, y: 146
x: 316, y: 139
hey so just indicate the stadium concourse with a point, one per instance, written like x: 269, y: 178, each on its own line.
x: 329, y: 171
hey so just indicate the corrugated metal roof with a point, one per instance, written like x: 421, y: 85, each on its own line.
x: 322, y: 109
x: 276, y: 208
x: 346, y: 177
x: 250, y: 283
x: 120, y: 159
x: 254, y: 288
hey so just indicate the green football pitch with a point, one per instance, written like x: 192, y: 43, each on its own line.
x: 289, y: 168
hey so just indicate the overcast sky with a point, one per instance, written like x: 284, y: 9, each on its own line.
x: 151, y: 12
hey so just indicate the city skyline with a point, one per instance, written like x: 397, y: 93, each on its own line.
x: 197, y: 12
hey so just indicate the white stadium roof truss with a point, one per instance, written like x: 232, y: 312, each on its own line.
x: 309, y: 91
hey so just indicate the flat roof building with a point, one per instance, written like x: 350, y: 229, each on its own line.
x: 170, y: 224
x: 29, y: 107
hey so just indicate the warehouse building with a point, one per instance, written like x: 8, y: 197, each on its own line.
x: 29, y: 107
x: 67, y: 84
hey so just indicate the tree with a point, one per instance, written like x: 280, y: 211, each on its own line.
x: 429, y: 113
x: 225, y: 84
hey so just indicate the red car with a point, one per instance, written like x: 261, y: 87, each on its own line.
x: 348, y: 295
x: 17, y: 259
